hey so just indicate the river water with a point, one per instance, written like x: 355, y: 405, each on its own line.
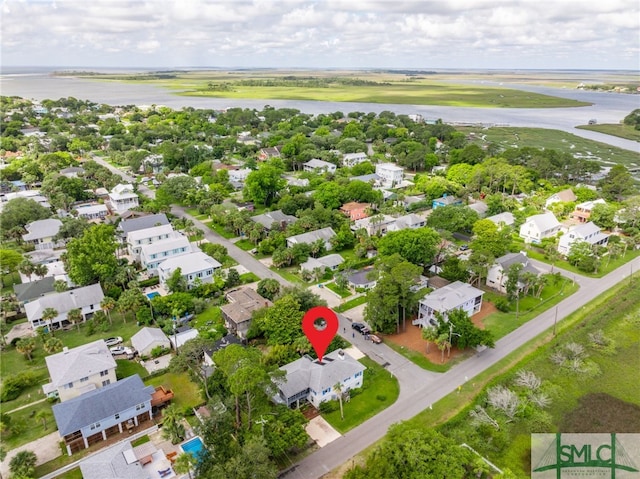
x: 606, y: 108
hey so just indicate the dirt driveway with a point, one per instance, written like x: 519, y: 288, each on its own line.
x: 46, y: 449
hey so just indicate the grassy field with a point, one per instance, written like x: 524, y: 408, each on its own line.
x: 542, y: 138
x: 605, y: 267
x: 25, y: 427
x: 187, y: 394
x: 379, y: 391
x: 249, y: 278
x: 126, y: 368
x: 384, y: 87
x: 342, y: 292
x: 621, y: 130
x: 352, y: 303
x: 245, y: 244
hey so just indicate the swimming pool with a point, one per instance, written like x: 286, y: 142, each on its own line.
x: 153, y: 294
x: 193, y: 446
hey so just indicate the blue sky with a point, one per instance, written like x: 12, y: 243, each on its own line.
x: 426, y: 34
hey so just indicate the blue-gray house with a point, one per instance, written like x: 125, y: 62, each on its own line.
x: 96, y: 415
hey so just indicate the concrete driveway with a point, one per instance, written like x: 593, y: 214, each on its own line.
x: 321, y: 431
x: 46, y: 449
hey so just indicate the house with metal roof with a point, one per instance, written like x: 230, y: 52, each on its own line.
x: 40, y: 233
x: 589, y: 232
x: 122, y: 198
x: 195, y: 267
x: 352, y: 159
x: 147, y: 339
x: 79, y: 370
x: 319, y: 166
x: 137, y: 238
x: 457, y: 295
x: 497, y: 273
x: 314, y: 381
x: 95, y: 416
x: 324, y: 234
x: 538, y: 227
x: 151, y: 255
x: 87, y: 299
x: 505, y: 218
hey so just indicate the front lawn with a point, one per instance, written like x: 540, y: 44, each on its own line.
x: 245, y: 244
x: 605, y: 267
x: 342, y: 292
x: 289, y: 275
x: 221, y: 230
x: 380, y: 390
x: 187, y: 394
x: 347, y: 305
x: 25, y: 427
x: 249, y: 278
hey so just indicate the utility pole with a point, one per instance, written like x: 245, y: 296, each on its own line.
x: 262, y: 422
x: 555, y: 321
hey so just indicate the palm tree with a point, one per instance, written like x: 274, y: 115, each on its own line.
x: 23, y: 464
x: 443, y: 343
x: 107, y: 305
x: 75, y: 316
x: 184, y: 463
x: 26, y: 268
x: 172, y: 427
x: 52, y: 345
x: 430, y: 335
x: 40, y: 270
x: 26, y: 346
x: 48, y: 315
x: 42, y: 415
x: 338, y: 389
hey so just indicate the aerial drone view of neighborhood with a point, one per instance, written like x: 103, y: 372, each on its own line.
x: 474, y: 230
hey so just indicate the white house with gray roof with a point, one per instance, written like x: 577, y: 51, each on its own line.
x: 505, y: 218
x: 101, y: 413
x: 331, y: 261
x: 40, y: 233
x: 589, y: 232
x: 457, y: 295
x: 194, y: 267
x: 148, y: 339
x: 79, y: 370
x: 324, y: 234
x: 87, y: 299
x: 151, y: 255
x: 319, y: 166
x: 138, y: 238
x: 353, y: 159
x: 410, y: 221
x: 308, y: 379
x: 538, y: 227
x: 122, y: 198
x: 497, y: 273
x: 142, y: 223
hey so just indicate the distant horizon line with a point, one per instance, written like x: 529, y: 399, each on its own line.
x: 187, y: 68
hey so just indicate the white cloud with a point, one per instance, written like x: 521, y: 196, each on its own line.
x: 322, y: 33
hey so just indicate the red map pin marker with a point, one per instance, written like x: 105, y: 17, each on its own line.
x: 320, y: 338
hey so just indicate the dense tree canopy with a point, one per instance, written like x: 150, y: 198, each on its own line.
x: 418, y: 246
x: 91, y: 257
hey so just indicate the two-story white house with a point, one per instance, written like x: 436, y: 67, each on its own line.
x: 79, y: 370
x: 589, y: 232
x: 122, y: 198
x: 195, y: 267
x: 457, y: 295
x: 497, y: 273
x: 151, y: 255
x: 353, y: 159
x: 538, y: 227
x: 99, y: 414
x: 319, y: 166
x: 40, y: 233
x: 390, y: 175
x: 87, y: 299
x: 308, y: 379
x: 138, y: 238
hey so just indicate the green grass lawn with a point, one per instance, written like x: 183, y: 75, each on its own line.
x: 221, y: 231
x: 501, y: 324
x: 249, y: 278
x: 8, y: 280
x: 424, y: 363
x: 347, y: 305
x: 126, y: 368
x: 561, y: 141
x: 289, y: 274
x: 187, y: 394
x: 196, y: 214
x: 620, y: 130
x: 342, y: 292
x: 25, y: 428
x: 245, y: 245
x: 380, y: 390
x: 605, y: 267
x: 211, y: 314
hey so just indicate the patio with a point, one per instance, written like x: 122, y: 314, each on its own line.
x: 157, y: 364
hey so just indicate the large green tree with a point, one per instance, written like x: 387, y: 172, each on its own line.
x: 453, y: 218
x: 20, y: 211
x: 282, y: 323
x: 491, y: 239
x: 91, y: 257
x: 618, y: 183
x: 418, y: 246
x: 411, y: 452
x: 264, y: 184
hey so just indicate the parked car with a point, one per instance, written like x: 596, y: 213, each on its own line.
x: 365, y: 331
x: 113, y: 341
x: 464, y: 247
x: 375, y: 339
x: 120, y: 350
x: 359, y: 327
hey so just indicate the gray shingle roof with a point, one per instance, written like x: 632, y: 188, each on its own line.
x: 514, y: 258
x: 142, y: 223
x: 308, y: 373
x: 325, y: 234
x: 65, y: 301
x: 34, y: 289
x: 42, y: 229
x: 111, y: 463
x: 80, y: 362
x: 270, y: 217
x: 329, y: 261
x: 361, y: 277
x: 147, y: 336
x: 99, y: 404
